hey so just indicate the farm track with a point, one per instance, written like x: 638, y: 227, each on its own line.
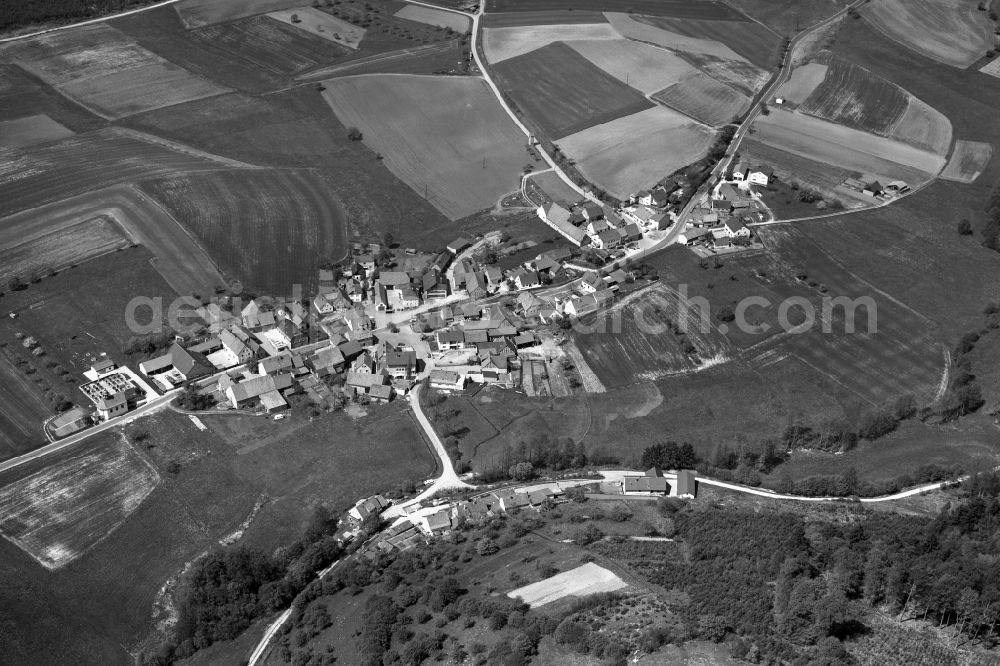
x: 331, y: 71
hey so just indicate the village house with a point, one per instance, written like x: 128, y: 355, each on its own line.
x: 525, y: 279
x: 510, y: 500
x: 238, y: 342
x: 361, y: 383
x: 448, y: 340
x: 179, y: 364
x: 591, y: 282
x: 446, y: 380
x: 760, y: 175
x: 275, y: 364
x: 607, y: 239
x: 435, y: 523
x: 687, y: 484
x: 650, y: 483
x: 112, y: 394
x: 326, y: 361
x: 558, y: 218
x: 401, y: 364
x: 365, y: 508
x: 261, y: 391
x: 458, y: 245
x: 357, y: 320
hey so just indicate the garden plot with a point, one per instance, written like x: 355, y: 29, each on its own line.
x: 106, y: 71
x: 632, y: 153
x: 968, y: 161
x: 322, y: 25
x: 645, y: 68
x: 582, y: 581
x: 437, y: 17
x: 445, y: 137
x: 954, y: 32
x: 59, y: 513
x: 31, y: 130
x: 501, y: 44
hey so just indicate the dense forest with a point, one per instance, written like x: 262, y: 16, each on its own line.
x: 23, y: 13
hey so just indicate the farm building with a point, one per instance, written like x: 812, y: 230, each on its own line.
x: 264, y: 391
x: 759, y: 175
x: 446, y: 380
x: 458, y: 245
x: 372, y: 506
x: 177, y: 365
x: 651, y: 483
x: 687, y: 484
x: 558, y: 218
x: 436, y: 523
x: 70, y: 422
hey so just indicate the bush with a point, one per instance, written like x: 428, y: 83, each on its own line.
x: 354, y: 134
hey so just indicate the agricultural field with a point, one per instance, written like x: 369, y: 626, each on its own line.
x: 31, y: 177
x: 643, y: 338
x: 803, y: 81
x: 752, y: 41
x: 197, y: 13
x: 107, y: 72
x: 267, y: 229
x: 788, y: 17
x: 446, y: 137
x: 436, y: 17
x: 708, y: 10
x: 924, y: 127
x: 30, y: 130
x: 551, y: 17
x: 23, y: 403
x: 626, y: 155
x: 321, y: 24
x: 59, y: 248
x: 556, y: 188
x: 992, y: 68
x: 655, y: 30
x: 271, y: 44
x: 582, y: 581
x: 846, y: 148
x: 563, y: 93
x: 500, y: 44
x: 853, y: 96
x: 704, y: 99
x: 57, y: 514
x: 643, y: 67
x: 23, y: 95
x: 968, y: 161
x: 953, y: 32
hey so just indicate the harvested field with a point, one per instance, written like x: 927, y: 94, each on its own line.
x: 196, y: 13
x: 562, y: 92
x: 953, y: 32
x: 322, y: 25
x: 23, y: 95
x: 803, y: 81
x: 632, y: 153
x: 753, y: 41
x: 553, y: 17
x: 788, y: 17
x: 437, y: 17
x: 443, y: 136
x: 582, y: 581
x: 271, y: 44
x: 106, y: 71
x: 704, y: 99
x: 179, y: 259
x: 854, y: 96
x: 87, y: 162
x: 555, y: 188
x: 653, y: 30
x: 844, y: 147
x: 267, y: 229
x: 968, y: 161
x: 58, y: 514
x: 31, y: 130
x: 501, y: 44
x: 60, y: 248
x: 992, y: 68
x: 707, y: 9
x: 645, y: 68
x: 738, y: 74
x: 923, y: 127
x: 635, y: 342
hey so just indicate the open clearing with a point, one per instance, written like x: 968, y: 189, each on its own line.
x: 631, y: 153
x: 60, y: 248
x: 267, y: 229
x: 562, y: 92
x: 31, y: 130
x: 437, y: 17
x: 196, y: 13
x: 854, y: 96
x: 753, y: 41
x: 501, y: 44
x: 106, y: 71
x: 446, y: 136
x: 59, y: 513
x: 968, y: 161
x: 704, y: 99
x: 582, y: 581
x: 633, y: 342
x: 646, y: 68
x: 674, y: 8
x: 322, y: 25
x: 803, y: 81
x: 954, y: 32
x: 179, y: 259
x: 847, y: 148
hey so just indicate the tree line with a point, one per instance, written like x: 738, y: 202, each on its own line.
x: 26, y: 13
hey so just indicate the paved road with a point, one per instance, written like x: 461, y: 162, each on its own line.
x: 770, y: 494
x: 101, y: 19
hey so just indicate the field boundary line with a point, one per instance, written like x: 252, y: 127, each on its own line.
x: 185, y: 149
